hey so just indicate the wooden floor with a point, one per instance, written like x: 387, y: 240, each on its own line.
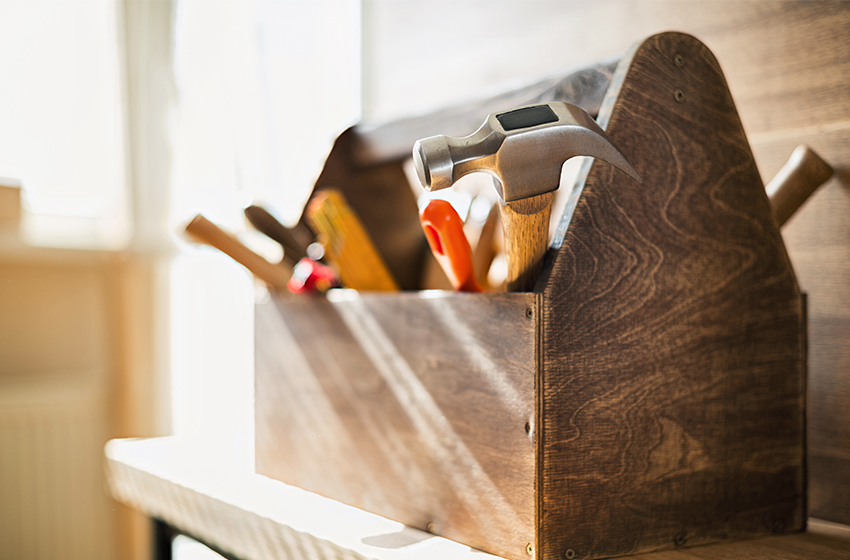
x: 252, y: 517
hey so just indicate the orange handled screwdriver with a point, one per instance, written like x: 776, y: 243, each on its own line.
x: 444, y: 231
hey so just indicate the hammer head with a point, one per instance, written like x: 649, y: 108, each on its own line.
x: 524, y: 148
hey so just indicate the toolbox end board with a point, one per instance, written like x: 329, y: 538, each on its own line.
x: 418, y: 406
x: 674, y: 351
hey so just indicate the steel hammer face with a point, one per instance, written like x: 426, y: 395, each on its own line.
x: 524, y: 149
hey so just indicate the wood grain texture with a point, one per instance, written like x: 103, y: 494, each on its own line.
x: 198, y: 490
x: 526, y: 226
x: 412, y: 406
x: 673, y: 358
x: 788, y: 547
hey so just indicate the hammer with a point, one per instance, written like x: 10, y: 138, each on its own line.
x: 524, y: 149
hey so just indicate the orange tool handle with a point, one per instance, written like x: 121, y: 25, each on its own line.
x: 444, y: 231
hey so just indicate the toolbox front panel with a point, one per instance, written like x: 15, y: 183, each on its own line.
x: 415, y: 406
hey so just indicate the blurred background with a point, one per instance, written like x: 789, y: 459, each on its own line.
x: 122, y: 119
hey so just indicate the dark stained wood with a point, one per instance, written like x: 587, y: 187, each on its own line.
x: 673, y: 351
x: 788, y: 547
x: 525, y: 224
x: 413, y: 406
x: 670, y: 354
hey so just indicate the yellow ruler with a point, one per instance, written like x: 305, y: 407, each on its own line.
x: 347, y: 244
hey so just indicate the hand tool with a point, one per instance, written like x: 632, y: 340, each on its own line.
x: 312, y: 276
x: 347, y: 243
x: 294, y: 248
x: 801, y: 175
x: 205, y: 231
x: 485, y: 249
x: 524, y: 149
x: 444, y: 231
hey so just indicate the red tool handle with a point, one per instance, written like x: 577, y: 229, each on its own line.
x: 444, y: 231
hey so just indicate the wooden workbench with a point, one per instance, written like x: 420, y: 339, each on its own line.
x: 204, y: 494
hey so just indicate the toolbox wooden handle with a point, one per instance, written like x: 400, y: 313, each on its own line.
x: 801, y: 175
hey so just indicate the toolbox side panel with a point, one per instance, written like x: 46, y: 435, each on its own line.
x: 415, y: 406
x: 673, y: 331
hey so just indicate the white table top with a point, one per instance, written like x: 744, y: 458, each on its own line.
x: 206, y: 495
x: 251, y: 516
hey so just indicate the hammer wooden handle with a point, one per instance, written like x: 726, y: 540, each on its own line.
x: 526, y: 226
x: 204, y: 231
x: 804, y: 172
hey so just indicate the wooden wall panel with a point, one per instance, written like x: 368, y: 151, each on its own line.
x: 818, y: 242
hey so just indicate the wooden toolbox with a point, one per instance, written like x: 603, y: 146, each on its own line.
x: 648, y: 394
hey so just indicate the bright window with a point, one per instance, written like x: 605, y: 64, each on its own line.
x: 61, y: 123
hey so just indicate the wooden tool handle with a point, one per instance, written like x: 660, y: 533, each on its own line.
x: 260, y: 218
x: 804, y: 172
x: 485, y: 249
x: 204, y: 231
x: 526, y: 226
